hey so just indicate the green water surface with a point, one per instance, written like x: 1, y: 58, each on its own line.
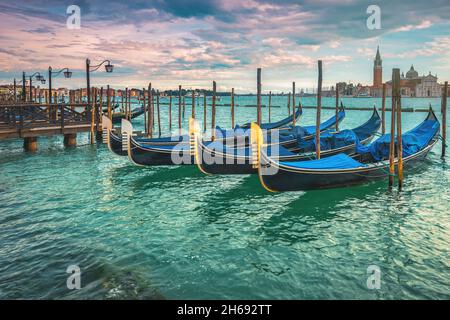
x: 174, y: 233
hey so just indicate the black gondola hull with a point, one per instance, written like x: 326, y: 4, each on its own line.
x: 284, y: 179
x: 155, y: 157
x: 115, y: 144
x: 232, y: 165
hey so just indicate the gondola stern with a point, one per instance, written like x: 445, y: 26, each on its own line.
x: 257, y: 140
x: 127, y: 132
x: 106, y: 128
x: 195, y: 142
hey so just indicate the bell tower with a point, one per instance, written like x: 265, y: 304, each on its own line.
x: 377, y: 70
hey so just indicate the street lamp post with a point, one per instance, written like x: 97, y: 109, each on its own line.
x: 39, y: 77
x: 15, y: 90
x: 108, y: 67
x: 67, y: 74
x: 24, y: 94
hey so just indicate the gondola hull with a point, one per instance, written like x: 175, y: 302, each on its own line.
x: 237, y: 138
x: 284, y: 179
x: 115, y: 144
x: 240, y: 160
x: 154, y: 156
x: 227, y: 164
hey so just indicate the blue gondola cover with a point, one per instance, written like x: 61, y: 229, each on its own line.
x: 412, y: 141
x: 339, y: 161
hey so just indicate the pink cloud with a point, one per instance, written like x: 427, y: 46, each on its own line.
x: 423, y: 25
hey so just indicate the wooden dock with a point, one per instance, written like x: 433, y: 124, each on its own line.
x: 31, y: 120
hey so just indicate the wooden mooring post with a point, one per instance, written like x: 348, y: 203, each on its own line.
x: 289, y: 103
x: 114, y: 101
x: 258, y: 96
x: 383, y: 110
x: 193, y: 105
x: 270, y: 105
x: 179, y: 108
x: 336, y: 125
x: 98, y: 116
x: 170, y: 111
x: 232, y: 107
x: 444, y: 118
x: 144, y: 99
x: 204, y: 112
x: 126, y: 103
x: 151, y: 113
x: 399, y: 136
x: 293, y: 103
x: 92, y: 132
x: 395, y: 92
x: 319, y: 107
x: 184, y: 106
x: 129, y: 105
x: 213, y: 110
x: 121, y: 101
x: 55, y: 108
x: 158, y: 114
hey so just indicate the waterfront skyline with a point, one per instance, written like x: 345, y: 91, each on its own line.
x: 172, y: 42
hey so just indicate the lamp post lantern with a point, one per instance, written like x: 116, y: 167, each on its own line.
x: 108, y: 68
x: 39, y: 77
x: 67, y: 74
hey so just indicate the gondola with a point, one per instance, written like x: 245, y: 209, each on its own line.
x: 114, y: 138
x: 113, y: 107
x: 149, y: 155
x: 289, y: 138
x: 142, y: 153
x: 224, y: 135
x: 367, y: 164
x: 118, y: 116
x: 216, y: 158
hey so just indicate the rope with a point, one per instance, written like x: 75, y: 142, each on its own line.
x: 440, y: 137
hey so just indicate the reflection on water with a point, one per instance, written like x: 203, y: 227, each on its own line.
x: 171, y: 232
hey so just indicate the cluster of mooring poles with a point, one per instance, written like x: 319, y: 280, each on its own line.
x: 444, y: 117
x: 105, y: 102
x: 395, y: 147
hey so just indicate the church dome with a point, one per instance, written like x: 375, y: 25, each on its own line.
x: 411, y: 74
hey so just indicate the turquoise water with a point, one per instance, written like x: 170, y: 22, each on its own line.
x: 171, y: 232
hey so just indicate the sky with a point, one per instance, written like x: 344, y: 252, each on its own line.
x: 193, y: 42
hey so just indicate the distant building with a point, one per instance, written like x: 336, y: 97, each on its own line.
x: 377, y: 71
x: 428, y: 87
x: 135, y: 92
x: 346, y: 89
x: 63, y: 91
x: 411, y: 85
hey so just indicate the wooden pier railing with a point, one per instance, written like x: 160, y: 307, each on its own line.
x: 31, y: 120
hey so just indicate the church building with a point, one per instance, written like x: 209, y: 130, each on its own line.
x: 411, y: 85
